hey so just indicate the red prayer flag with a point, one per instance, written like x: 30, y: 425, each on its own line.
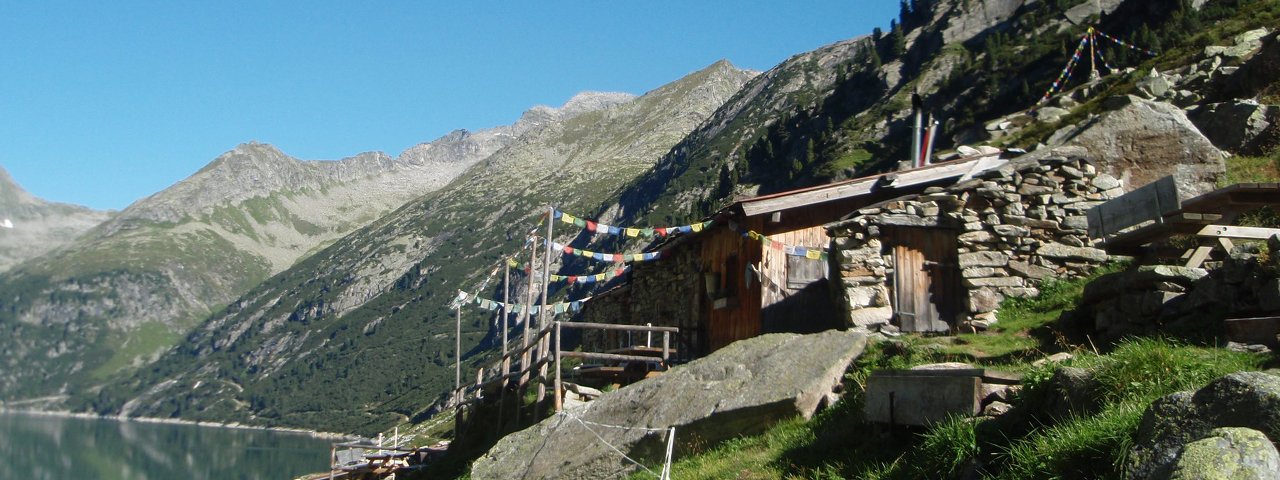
x: 591, y: 226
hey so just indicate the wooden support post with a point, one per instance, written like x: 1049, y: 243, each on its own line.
x: 527, y: 316
x: 545, y: 342
x: 506, y: 310
x: 457, y: 353
x: 504, y: 318
x: 333, y: 460
x: 666, y: 350
x: 559, y: 395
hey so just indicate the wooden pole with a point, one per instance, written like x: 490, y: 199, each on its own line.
x: 527, y: 317
x: 506, y: 362
x: 544, y: 342
x: 506, y: 310
x: 559, y: 396
x: 1093, y: 67
x: 457, y: 353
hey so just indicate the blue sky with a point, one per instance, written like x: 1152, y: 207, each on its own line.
x: 103, y: 103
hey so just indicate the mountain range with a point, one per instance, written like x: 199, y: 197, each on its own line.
x: 274, y: 291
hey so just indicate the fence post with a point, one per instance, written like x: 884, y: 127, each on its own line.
x: 457, y: 353
x: 559, y: 395
x: 666, y: 350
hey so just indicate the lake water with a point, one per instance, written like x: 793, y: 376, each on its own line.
x: 47, y: 447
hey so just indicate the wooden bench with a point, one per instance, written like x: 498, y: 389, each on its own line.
x: 1159, y: 210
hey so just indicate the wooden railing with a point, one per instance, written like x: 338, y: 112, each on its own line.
x: 543, y: 348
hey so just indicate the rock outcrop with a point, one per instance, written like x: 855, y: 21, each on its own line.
x: 1140, y: 141
x: 738, y: 390
x: 1182, y: 433
x: 1176, y: 300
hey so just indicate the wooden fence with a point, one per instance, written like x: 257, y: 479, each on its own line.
x: 526, y: 365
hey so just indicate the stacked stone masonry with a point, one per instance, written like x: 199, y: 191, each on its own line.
x: 1016, y: 226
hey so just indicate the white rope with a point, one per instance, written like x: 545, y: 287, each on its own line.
x: 575, y: 417
x: 615, y: 449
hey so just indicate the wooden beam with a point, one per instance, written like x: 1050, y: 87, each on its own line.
x: 853, y: 188
x: 611, y: 357
x: 613, y: 326
x: 1240, y: 233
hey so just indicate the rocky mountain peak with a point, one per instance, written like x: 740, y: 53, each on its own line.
x: 583, y: 102
x: 30, y: 226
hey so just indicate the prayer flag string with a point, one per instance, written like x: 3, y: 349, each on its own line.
x: 812, y: 253
x: 648, y: 232
x: 1090, y: 38
x: 607, y: 257
x: 489, y: 304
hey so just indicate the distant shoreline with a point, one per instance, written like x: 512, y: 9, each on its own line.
x: 179, y: 421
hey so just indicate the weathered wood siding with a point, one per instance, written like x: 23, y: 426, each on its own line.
x: 733, y: 312
x: 773, y: 264
x: 926, y: 278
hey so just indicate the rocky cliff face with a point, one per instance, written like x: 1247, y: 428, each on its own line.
x: 130, y: 288
x: 380, y: 296
x: 30, y: 226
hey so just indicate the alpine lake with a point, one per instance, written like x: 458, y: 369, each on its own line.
x: 42, y: 447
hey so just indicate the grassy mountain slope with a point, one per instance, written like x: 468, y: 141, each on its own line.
x: 133, y: 286
x: 30, y: 227
x: 360, y: 335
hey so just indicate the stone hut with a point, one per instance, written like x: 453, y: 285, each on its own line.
x: 943, y: 260
x: 759, y: 269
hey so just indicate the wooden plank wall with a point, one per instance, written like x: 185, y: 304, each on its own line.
x: 726, y: 254
x: 773, y: 263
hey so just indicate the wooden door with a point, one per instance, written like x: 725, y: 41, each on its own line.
x: 926, y: 279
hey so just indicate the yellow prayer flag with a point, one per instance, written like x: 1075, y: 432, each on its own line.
x: 813, y: 254
x: 633, y: 232
x: 697, y: 227
x: 566, y: 218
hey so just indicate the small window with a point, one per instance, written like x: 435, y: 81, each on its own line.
x: 801, y: 271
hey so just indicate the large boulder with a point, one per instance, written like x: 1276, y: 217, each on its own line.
x: 740, y: 389
x: 1231, y: 453
x: 1140, y: 141
x: 1171, y: 424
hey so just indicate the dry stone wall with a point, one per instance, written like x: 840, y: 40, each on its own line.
x: 1016, y: 225
x: 661, y: 293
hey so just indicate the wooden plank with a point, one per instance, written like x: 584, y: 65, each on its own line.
x: 1148, y: 203
x: 1198, y: 256
x: 611, y: 357
x: 1244, y: 233
x: 612, y: 326
x: 862, y: 186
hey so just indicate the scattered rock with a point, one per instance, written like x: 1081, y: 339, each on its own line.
x: 996, y: 409
x: 1055, y: 358
x: 1067, y: 252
